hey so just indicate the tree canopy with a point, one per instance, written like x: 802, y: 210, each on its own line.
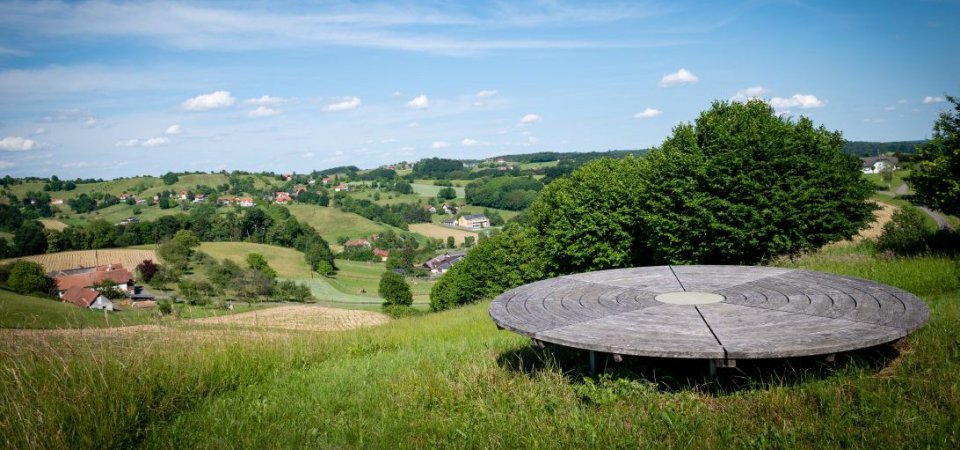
x: 936, y: 175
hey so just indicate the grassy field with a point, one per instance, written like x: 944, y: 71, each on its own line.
x: 51, y: 224
x: 332, y: 223
x: 288, y: 263
x: 114, y: 214
x: 454, y: 380
x: 429, y: 190
x: 26, y: 312
x: 432, y: 230
x: 130, y: 258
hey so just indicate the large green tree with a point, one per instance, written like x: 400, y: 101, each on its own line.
x: 936, y: 176
x: 742, y: 184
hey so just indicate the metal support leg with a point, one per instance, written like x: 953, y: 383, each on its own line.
x: 593, y: 362
x: 713, y: 368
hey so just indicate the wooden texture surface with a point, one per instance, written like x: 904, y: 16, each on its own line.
x: 766, y: 312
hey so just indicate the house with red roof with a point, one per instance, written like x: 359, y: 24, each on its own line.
x: 342, y: 187
x: 246, y: 202
x: 282, y: 198
x: 87, y: 298
x: 383, y: 254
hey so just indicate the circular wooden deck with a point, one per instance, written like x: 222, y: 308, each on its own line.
x: 710, y: 312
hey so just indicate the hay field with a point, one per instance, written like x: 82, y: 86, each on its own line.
x: 51, y: 224
x: 441, y: 232
x: 130, y: 258
x: 288, y: 262
x: 301, y: 318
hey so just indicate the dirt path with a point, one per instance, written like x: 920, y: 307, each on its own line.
x: 941, y: 221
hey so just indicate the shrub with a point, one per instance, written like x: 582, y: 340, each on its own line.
x: 147, y: 270
x: 907, y: 232
x: 29, y: 277
x: 400, y: 311
x: 165, y: 307
x: 394, y: 290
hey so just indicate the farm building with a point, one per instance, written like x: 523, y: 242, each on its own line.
x: 474, y: 221
x: 86, y: 298
x: 442, y: 263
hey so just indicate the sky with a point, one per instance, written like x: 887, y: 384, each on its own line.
x: 104, y: 89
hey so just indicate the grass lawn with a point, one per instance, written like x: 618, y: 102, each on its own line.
x: 27, y: 312
x: 429, y: 190
x: 898, y: 179
x: 114, y: 214
x: 288, y: 263
x: 332, y: 223
x: 453, y: 380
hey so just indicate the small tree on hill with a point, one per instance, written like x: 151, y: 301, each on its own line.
x: 395, y: 290
x: 28, y: 277
x: 147, y: 269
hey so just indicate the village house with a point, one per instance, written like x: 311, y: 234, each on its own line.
x: 86, y: 298
x: 344, y: 187
x: 298, y: 189
x: 877, y: 164
x: 442, y: 263
x: 184, y: 195
x: 326, y: 180
x: 473, y: 221
x: 226, y: 201
x: 246, y: 202
x: 56, y: 201
x: 449, y: 209
x: 312, y: 182
x: 430, y: 208
x: 383, y: 254
x: 357, y: 243
x: 199, y: 198
x: 282, y: 198
x: 123, y: 197
x: 75, y: 285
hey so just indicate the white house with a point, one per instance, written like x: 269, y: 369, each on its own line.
x: 877, y: 164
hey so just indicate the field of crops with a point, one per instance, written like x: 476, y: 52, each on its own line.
x: 53, y: 224
x: 332, y: 223
x: 86, y: 258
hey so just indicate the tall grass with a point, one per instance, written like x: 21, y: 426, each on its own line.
x: 453, y: 380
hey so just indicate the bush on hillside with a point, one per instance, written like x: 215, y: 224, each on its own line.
x: 394, y: 290
x: 906, y: 232
x: 28, y: 277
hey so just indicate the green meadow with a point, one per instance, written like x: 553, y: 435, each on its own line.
x: 453, y: 380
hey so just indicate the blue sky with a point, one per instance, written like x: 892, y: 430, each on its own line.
x: 105, y: 89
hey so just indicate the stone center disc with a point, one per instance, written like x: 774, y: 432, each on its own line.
x: 689, y: 298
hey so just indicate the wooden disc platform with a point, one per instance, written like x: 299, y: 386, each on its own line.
x: 721, y: 313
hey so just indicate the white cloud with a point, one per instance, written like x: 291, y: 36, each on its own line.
x: 413, y: 124
x: 396, y: 94
x: 6, y: 164
x: 749, y: 93
x: 388, y: 140
x: 802, y: 101
x: 150, y: 142
x: 17, y: 144
x: 680, y: 77
x: 267, y: 101
x: 345, y: 104
x: 530, y: 118
x: 40, y: 130
x: 207, y: 102
x: 648, y: 113
x: 439, y: 144
x: 889, y: 108
x: 154, y: 142
x: 486, y: 93
x: 127, y: 143
x: 263, y: 111
x: 172, y: 130
x: 469, y: 142
x: 307, y: 155
x: 91, y: 121
x: 407, y: 149
x: 76, y: 165
x: 929, y: 99
x: 902, y: 101
x: 532, y: 140
x: 419, y: 102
